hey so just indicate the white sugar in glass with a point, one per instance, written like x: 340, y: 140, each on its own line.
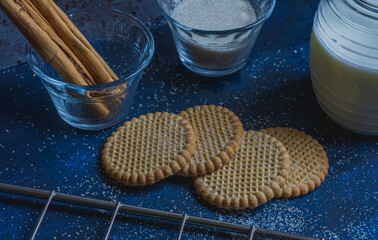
x: 214, y: 15
x: 215, y: 37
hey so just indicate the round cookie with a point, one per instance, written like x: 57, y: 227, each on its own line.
x: 256, y: 173
x: 148, y: 149
x: 309, y: 162
x: 219, y: 133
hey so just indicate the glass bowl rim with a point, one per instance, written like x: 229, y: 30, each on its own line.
x: 143, y: 65
x: 234, y: 30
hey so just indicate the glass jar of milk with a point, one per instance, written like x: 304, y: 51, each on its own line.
x: 344, y: 62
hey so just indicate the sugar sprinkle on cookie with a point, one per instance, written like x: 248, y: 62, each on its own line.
x: 256, y: 173
x: 309, y: 162
x: 219, y: 133
x: 148, y: 149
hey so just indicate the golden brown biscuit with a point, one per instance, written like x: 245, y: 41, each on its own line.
x: 219, y: 133
x: 256, y: 173
x: 309, y: 162
x: 148, y: 149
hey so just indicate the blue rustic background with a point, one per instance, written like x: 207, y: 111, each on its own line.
x: 37, y: 149
x: 12, y: 43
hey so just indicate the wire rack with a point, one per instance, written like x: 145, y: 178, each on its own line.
x: 116, y: 207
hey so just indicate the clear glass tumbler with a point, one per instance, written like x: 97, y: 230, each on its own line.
x: 216, y: 53
x: 125, y: 44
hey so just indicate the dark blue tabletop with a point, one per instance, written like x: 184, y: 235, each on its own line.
x: 39, y: 150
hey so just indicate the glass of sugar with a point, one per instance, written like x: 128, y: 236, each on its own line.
x: 215, y: 37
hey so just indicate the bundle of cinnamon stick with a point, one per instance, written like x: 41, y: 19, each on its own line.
x: 58, y: 41
x: 61, y: 44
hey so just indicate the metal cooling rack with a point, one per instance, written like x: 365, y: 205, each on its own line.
x: 252, y: 231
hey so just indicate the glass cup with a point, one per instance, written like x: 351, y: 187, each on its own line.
x: 125, y: 44
x: 215, y: 53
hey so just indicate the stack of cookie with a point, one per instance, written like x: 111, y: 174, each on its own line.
x: 232, y: 168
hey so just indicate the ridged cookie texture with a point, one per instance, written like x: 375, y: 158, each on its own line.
x: 219, y: 133
x: 148, y: 149
x: 256, y: 173
x: 309, y: 162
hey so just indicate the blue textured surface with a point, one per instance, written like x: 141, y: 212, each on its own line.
x: 37, y: 149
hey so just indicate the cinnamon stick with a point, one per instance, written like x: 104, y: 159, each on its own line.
x: 49, y: 51
x: 86, y: 56
x: 80, y: 36
x: 42, y: 43
x: 42, y: 22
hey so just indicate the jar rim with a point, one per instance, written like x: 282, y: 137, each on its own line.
x: 368, y: 4
x: 348, y: 31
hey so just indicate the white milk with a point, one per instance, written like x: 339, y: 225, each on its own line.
x: 347, y: 92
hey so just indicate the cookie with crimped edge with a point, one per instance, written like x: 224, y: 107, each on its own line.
x: 219, y: 133
x: 309, y: 162
x: 148, y: 148
x: 256, y: 173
